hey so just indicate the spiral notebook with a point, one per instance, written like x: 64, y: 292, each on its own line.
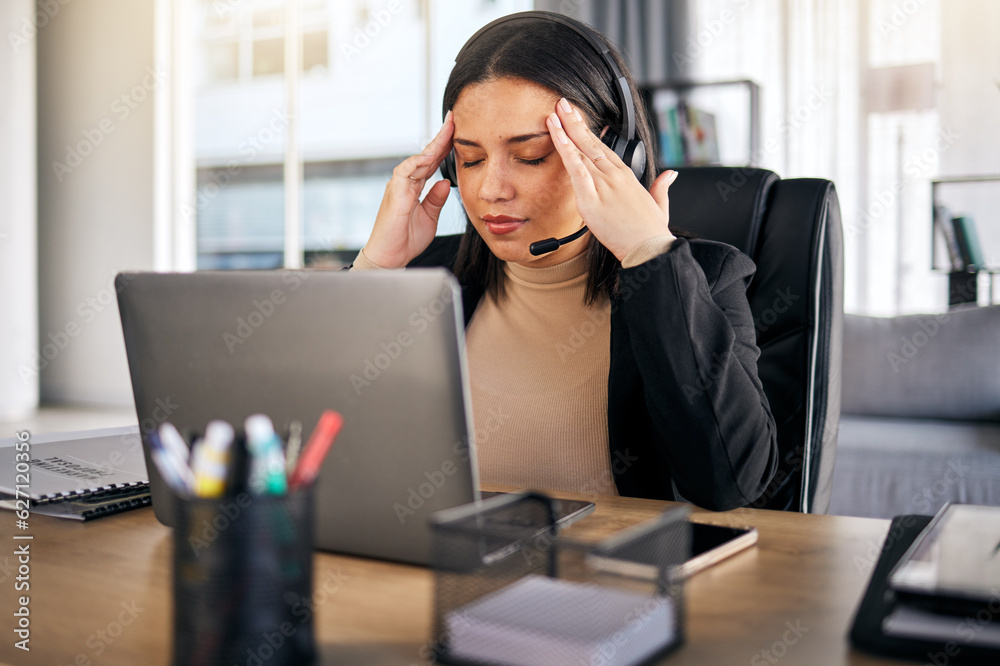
x: 88, y: 464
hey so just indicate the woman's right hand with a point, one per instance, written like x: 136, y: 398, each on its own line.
x: 405, y: 225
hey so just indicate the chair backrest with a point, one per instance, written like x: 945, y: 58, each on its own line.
x: 791, y: 229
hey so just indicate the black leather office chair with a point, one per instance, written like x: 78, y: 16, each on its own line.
x: 791, y: 229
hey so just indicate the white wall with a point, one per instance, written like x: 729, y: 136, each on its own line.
x: 95, y: 212
x: 970, y: 110
x: 18, y: 268
x: 970, y: 101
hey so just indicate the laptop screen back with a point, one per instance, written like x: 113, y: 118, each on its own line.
x: 385, y: 349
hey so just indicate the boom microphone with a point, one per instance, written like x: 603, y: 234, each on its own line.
x: 552, y: 244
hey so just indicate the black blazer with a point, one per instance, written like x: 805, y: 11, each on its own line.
x: 687, y: 416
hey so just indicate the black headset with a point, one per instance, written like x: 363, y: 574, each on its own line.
x: 624, y: 142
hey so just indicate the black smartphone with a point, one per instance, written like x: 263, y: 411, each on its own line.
x: 711, y: 544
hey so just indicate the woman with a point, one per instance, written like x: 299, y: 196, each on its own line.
x: 623, y: 362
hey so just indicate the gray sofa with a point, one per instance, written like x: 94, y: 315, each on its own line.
x: 920, y: 416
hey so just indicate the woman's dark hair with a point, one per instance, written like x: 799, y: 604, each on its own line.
x: 554, y: 56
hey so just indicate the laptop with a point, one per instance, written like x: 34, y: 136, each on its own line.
x: 385, y: 349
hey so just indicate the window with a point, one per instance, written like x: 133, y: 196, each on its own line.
x: 839, y: 83
x: 365, y: 94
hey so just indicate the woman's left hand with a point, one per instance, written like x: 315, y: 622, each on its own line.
x: 613, y: 203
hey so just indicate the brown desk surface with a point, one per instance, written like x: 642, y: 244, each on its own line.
x: 793, y: 595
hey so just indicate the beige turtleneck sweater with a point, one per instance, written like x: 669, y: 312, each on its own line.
x: 538, y: 368
x: 538, y: 364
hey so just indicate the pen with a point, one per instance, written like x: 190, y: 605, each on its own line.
x: 316, y: 449
x: 267, y: 460
x: 173, y: 442
x: 210, y: 460
x: 173, y: 470
x: 294, y: 446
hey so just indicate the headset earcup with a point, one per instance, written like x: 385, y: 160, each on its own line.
x: 633, y: 153
x: 448, y: 170
x: 635, y: 157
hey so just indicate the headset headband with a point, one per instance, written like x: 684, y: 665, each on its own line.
x: 628, y: 128
x: 624, y: 141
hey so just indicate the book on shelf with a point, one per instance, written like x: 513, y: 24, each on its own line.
x: 78, y: 475
x: 671, y: 139
x: 968, y: 242
x: 687, y: 134
x: 702, y: 140
x: 942, y: 219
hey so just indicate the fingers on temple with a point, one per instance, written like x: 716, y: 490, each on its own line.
x: 441, y: 143
x: 416, y: 168
x: 578, y: 132
x: 577, y: 164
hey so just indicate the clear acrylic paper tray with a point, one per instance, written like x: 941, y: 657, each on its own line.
x: 510, y: 590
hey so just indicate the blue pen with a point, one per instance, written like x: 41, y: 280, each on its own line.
x: 173, y: 470
x: 173, y: 442
x: 267, y: 459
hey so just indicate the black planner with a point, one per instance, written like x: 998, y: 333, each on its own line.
x: 879, y: 601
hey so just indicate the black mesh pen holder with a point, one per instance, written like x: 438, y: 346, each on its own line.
x: 242, y: 567
x: 510, y: 591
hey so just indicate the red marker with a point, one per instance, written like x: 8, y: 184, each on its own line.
x: 316, y: 449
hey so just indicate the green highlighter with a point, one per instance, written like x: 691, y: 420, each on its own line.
x: 267, y: 459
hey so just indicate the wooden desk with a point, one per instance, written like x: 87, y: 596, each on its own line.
x: 101, y: 594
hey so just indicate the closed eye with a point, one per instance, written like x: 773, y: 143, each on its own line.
x: 534, y: 162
